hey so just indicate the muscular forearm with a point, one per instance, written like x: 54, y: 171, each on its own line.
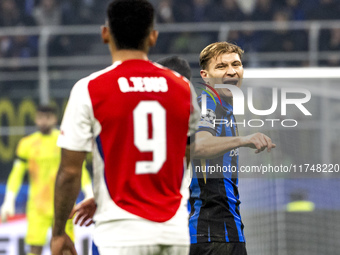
x: 209, y: 146
x: 212, y: 146
x: 67, y: 188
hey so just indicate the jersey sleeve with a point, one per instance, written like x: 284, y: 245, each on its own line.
x: 207, y: 121
x: 76, y: 127
x: 19, y: 168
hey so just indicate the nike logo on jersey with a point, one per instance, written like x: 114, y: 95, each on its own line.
x: 143, y: 84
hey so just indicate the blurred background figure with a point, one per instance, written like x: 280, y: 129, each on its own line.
x: 48, y: 13
x: 165, y: 12
x: 263, y: 10
x: 201, y: 10
x: 10, y: 15
x: 331, y: 42
x: 284, y: 40
x: 299, y: 202
x: 86, y: 12
x: 20, y: 47
x: 296, y: 10
x: 300, y: 212
x: 327, y: 10
x: 39, y: 155
x: 226, y: 10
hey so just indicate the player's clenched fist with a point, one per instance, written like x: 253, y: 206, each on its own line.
x: 258, y: 141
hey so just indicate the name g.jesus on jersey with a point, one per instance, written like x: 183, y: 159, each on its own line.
x: 143, y: 84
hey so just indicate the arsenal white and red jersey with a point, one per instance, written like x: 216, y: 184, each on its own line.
x: 135, y: 117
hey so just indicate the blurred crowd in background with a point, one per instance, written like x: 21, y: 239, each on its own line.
x: 74, y: 12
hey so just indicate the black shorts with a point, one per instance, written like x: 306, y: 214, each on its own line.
x: 218, y: 249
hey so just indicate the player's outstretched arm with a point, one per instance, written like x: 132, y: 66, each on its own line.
x: 84, y: 212
x: 209, y: 146
x: 67, y: 188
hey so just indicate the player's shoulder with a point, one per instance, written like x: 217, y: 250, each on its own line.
x: 211, y: 102
x: 103, y: 72
x: 82, y: 84
x: 28, y: 139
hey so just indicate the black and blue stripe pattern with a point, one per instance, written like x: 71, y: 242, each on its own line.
x: 214, y: 198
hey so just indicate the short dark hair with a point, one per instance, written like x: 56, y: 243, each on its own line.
x: 47, y: 109
x: 130, y: 22
x: 178, y: 64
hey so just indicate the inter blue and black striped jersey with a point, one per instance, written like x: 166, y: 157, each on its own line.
x: 214, y: 197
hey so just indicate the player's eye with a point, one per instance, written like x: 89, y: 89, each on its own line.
x: 220, y: 67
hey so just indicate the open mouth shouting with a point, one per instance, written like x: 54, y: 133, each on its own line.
x: 231, y: 81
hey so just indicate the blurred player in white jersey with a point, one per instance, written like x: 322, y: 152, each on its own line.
x: 134, y: 116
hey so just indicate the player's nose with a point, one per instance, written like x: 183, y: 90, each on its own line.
x: 230, y: 71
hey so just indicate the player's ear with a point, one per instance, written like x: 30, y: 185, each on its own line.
x: 204, y: 75
x: 105, y: 34
x: 153, y: 38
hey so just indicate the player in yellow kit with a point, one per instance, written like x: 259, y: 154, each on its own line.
x: 38, y: 153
